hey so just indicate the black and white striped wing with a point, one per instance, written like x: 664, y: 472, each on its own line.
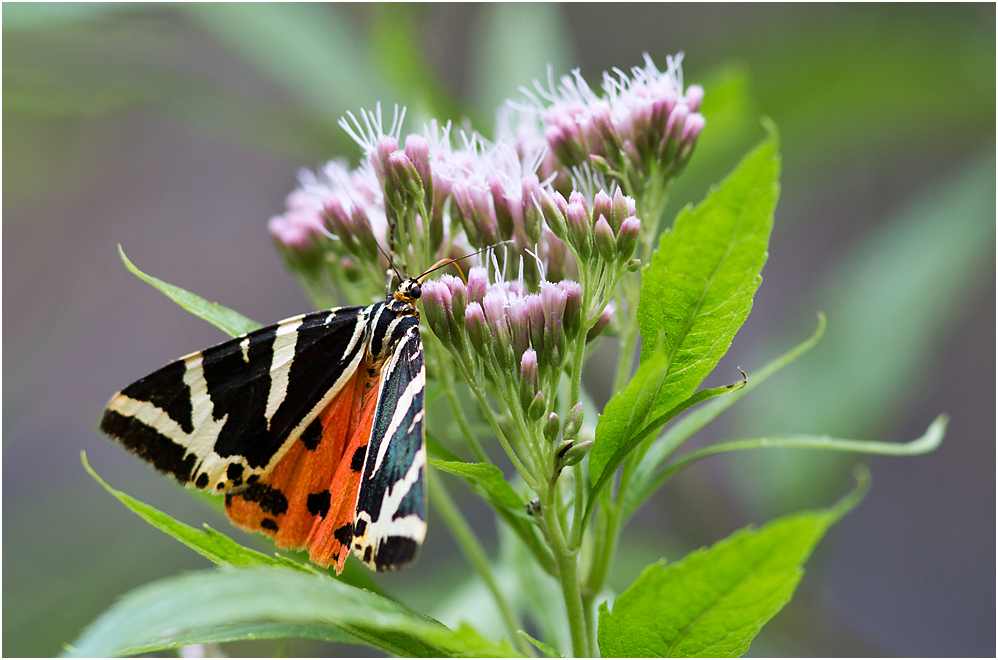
x: 390, y: 521
x: 215, y: 418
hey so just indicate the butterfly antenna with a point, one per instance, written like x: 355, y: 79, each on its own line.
x: 444, y: 262
x: 390, y: 262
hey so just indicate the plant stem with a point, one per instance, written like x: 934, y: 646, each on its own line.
x: 568, y: 575
x: 475, y: 554
x: 462, y: 421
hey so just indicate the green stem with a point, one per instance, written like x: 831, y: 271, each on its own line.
x: 461, y: 419
x: 494, y: 423
x: 606, y: 544
x: 475, y: 554
x: 568, y: 575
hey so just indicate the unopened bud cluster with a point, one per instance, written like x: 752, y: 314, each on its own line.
x: 516, y: 332
x: 607, y: 232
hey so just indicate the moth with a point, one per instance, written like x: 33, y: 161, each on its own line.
x: 311, y: 428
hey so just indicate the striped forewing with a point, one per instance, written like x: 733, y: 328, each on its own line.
x: 242, y: 402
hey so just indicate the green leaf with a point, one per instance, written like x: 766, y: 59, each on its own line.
x: 606, y: 465
x: 209, y: 543
x: 225, y: 597
x: 541, y: 646
x: 715, y: 601
x: 695, y: 295
x: 929, y: 441
x: 231, y: 322
x: 244, y: 632
x: 487, y: 477
x: 698, y: 288
x: 638, y: 488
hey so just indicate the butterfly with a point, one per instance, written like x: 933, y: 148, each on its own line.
x: 312, y: 429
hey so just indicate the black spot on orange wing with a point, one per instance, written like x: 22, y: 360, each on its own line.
x: 270, y: 499
x: 269, y: 524
x: 312, y: 435
x: 344, y: 535
x: 357, y: 463
x: 318, y: 503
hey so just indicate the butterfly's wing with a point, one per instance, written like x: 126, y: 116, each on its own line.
x: 222, y: 418
x: 390, y: 519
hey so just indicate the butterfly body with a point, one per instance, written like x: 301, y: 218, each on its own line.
x: 312, y: 428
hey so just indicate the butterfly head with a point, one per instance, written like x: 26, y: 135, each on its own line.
x: 408, y: 291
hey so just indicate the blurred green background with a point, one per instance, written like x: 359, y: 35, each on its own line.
x: 177, y: 131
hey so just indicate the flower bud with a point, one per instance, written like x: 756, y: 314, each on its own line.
x: 535, y: 313
x: 474, y: 321
x: 578, y: 229
x: 478, y: 284
x: 669, y: 145
x: 551, y: 426
x: 367, y: 244
x: 417, y: 148
x: 606, y: 245
x: 560, y: 451
x: 573, y: 307
x: 504, y: 216
x: 495, y: 313
x: 402, y: 173
x: 441, y: 192
x: 459, y: 297
x: 555, y: 342
x: 633, y: 265
x: 385, y: 147
x: 688, y: 139
x: 554, y: 216
x: 463, y: 209
x: 627, y: 239
x: 573, y: 422
x: 557, y: 256
x: 604, y: 320
x: 623, y: 206
x: 339, y: 223
x: 529, y: 208
x: 455, y: 309
x: 609, y: 138
x: 536, y: 409
x: 519, y: 326
x: 602, y: 165
x: 436, y: 298
x: 694, y: 97
x: 603, y: 206
x: 528, y: 378
x: 292, y: 230
x: 575, y: 454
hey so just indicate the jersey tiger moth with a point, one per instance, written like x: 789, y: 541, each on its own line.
x: 312, y: 428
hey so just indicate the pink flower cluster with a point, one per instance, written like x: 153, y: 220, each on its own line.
x: 442, y: 195
x: 504, y: 322
x: 641, y: 122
